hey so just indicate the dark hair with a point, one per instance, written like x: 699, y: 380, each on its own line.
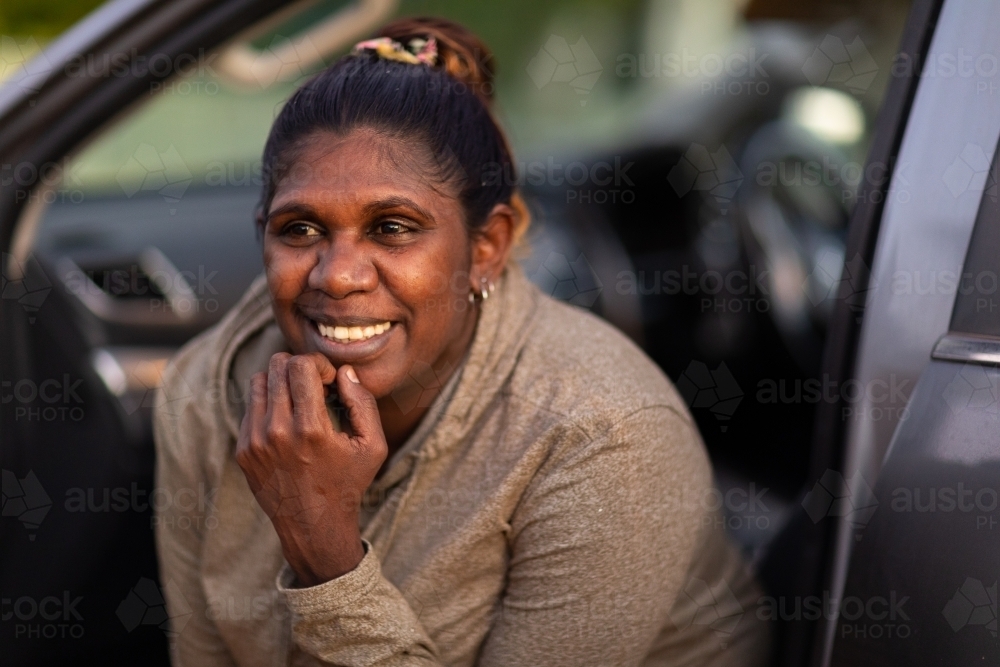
x: 445, y: 107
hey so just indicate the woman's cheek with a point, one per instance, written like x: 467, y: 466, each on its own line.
x: 287, y: 272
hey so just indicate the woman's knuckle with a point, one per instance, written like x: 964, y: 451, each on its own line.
x: 298, y: 364
x: 278, y: 362
x: 309, y: 429
x: 276, y: 433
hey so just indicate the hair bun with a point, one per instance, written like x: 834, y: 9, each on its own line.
x: 460, y: 52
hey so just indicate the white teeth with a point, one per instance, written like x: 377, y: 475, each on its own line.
x: 350, y: 334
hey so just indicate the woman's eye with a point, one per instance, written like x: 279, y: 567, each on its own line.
x: 300, y: 230
x: 391, y: 228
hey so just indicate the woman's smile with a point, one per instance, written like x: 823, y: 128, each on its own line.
x: 351, y: 339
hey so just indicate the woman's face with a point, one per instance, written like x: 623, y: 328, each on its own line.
x: 368, y: 259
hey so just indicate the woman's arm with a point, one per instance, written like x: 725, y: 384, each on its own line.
x: 358, y: 619
x: 601, y: 543
x: 309, y: 479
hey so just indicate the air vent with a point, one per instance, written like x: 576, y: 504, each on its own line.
x: 142, y: 290
x: 124, y: 282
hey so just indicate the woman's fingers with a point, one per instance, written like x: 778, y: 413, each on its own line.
x: 327, y: 373
x: 256, y: 409
x: 253, y: 427
x: 305, y: 383
x: 279, y: 400
x: 362, y: 411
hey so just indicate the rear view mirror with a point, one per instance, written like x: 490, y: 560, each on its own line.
x: 295, y: 40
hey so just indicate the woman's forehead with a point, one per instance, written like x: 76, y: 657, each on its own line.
x: 361, y: 168
x: 365, y: 165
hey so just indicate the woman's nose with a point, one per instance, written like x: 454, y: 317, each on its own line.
x: 343, y: 268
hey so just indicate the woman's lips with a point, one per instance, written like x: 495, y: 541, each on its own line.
x: 361, y: 343
x: 345, y: 334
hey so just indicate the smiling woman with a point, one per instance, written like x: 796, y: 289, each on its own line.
x: 414, y: 456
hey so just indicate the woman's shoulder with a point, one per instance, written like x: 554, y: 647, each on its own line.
x: 194, y: 380
x: 580, y: 366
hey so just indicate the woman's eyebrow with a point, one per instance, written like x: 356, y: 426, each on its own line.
x: 396, y: 202
x: 297, y: 208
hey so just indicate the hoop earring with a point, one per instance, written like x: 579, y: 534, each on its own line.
x: 486, y: 288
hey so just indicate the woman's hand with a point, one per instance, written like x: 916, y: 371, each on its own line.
x: 306, y: 476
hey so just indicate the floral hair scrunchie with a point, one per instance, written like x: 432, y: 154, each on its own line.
x: 416, y: 52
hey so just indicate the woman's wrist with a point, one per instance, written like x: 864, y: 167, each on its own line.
x: 322, y: 558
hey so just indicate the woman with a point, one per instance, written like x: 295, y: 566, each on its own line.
x: 409, y: 454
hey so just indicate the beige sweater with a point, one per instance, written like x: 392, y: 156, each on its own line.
x: 548, y: 511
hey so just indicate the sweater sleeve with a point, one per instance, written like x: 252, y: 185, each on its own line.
x: 357, y: 619
x: 601, y: 541
x: 179, y: 534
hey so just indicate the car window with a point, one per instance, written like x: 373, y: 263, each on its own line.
x: 977, y: 306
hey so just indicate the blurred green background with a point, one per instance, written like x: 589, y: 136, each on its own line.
x: 41, y: 19
x: 217, y: 125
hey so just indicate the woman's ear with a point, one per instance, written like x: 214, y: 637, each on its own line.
x: 491, y: 245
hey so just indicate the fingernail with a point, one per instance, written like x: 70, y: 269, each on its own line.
x: 351, y: 375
